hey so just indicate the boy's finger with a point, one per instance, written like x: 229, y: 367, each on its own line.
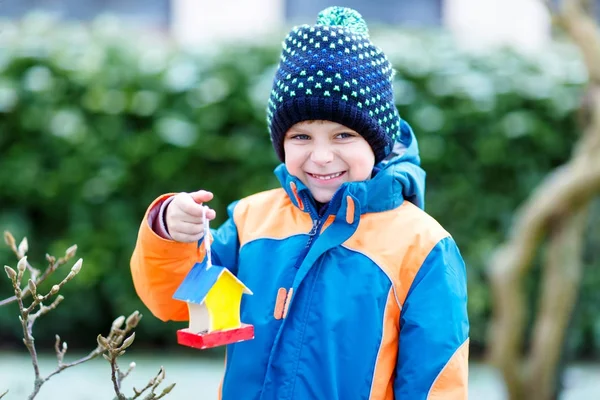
x: 193, y: 212
x: 201, y: 196
x: 190, y: 207
x: 194, y: 216
x: 186, y: 228
x: 210, y: 213
x: 187, y: 238
x: 191, y: 218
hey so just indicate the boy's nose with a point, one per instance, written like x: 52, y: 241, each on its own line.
x: 321, y: 155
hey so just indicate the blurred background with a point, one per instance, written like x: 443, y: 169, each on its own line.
x: 106, y: 104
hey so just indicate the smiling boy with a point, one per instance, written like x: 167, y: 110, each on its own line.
x: 358, y: 293
x: 325, y: 154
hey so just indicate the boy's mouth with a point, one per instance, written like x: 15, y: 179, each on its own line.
x: 326, y: 177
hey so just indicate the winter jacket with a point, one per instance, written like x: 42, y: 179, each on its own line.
x: 374, y: 290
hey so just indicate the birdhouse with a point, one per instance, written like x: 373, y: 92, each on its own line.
x: 213, y: 295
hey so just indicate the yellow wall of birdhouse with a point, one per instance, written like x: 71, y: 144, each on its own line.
x: 223, y: 302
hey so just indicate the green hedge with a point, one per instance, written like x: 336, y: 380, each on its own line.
x: 95, y: 123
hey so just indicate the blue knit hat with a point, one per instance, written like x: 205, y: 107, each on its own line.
x: 331, y: 71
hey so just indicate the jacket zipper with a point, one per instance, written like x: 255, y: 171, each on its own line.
x: 318, y: 222
x: 311, y: 238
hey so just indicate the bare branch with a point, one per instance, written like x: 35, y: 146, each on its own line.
x: 111, y: 347
x: 558, y: 207
x: 115, y: 346
x: 103, y: 345
x: 166, y: 391
x: 25, y: 312
x: 138, y: 393
x: 45, y: 309
x: 116, y: 377
x: 62, y: 366
x: 131, y: 368
x: 112, y: 353
x: 583, y: 30
x: 60, y: 350
x: 566, y: 189
x: 560, y: 285
x: 38, y: 279
x: 39, y: 299
x: 152, y: 385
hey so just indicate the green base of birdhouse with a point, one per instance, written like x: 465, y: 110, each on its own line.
x: 214, y: 339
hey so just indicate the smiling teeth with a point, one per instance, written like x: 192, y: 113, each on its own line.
x: 327, y: 177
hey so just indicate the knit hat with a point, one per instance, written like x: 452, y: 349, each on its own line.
x: 331, y: 71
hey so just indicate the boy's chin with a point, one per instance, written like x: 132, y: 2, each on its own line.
x: 322, y: 196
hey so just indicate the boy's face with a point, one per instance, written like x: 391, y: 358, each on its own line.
x: 325, y: 154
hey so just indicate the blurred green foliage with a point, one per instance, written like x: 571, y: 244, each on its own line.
x: 95, y: 122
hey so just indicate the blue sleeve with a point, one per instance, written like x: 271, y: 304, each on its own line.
x: 434, y: 329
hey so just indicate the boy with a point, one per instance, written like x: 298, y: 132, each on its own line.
x: 358, y: 293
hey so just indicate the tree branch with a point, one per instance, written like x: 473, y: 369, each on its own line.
x: 53, y: 265
x: 111, y: 347
x: 558, y: 207
x: 568, y: 188
x: 562, y: 274
x: 583, y: 30
x: 60, y: 356
x: 115, y: 346
x: 115, y: 372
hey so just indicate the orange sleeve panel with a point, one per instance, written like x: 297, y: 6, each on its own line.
x: 434, y: 329
x: 452, y: 382
x: 158, y: 266
x: 418, y: 256
x: 382, y: 387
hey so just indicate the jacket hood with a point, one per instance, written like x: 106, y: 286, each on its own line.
x: 397, y: 178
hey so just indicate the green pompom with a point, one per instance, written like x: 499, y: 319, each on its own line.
x: 344, y: 17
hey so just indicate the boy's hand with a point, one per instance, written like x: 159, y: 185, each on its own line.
x: 184, y: 216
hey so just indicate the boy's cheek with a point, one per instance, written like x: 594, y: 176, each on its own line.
x: 293, y: 160
x: 293, y: 166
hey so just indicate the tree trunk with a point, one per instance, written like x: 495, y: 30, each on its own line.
x: 557, y: 211
x: 563, y: 270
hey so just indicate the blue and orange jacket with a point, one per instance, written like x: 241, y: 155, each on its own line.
x: 364, y: 300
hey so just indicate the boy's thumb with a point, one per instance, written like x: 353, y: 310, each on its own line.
x: 201, y: 196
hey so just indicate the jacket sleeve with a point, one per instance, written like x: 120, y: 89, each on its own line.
x: 158, y: 265
x: 434, y: 330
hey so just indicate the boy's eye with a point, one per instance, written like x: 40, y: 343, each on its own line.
x: 300, y: 137
x: 345, y: 135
